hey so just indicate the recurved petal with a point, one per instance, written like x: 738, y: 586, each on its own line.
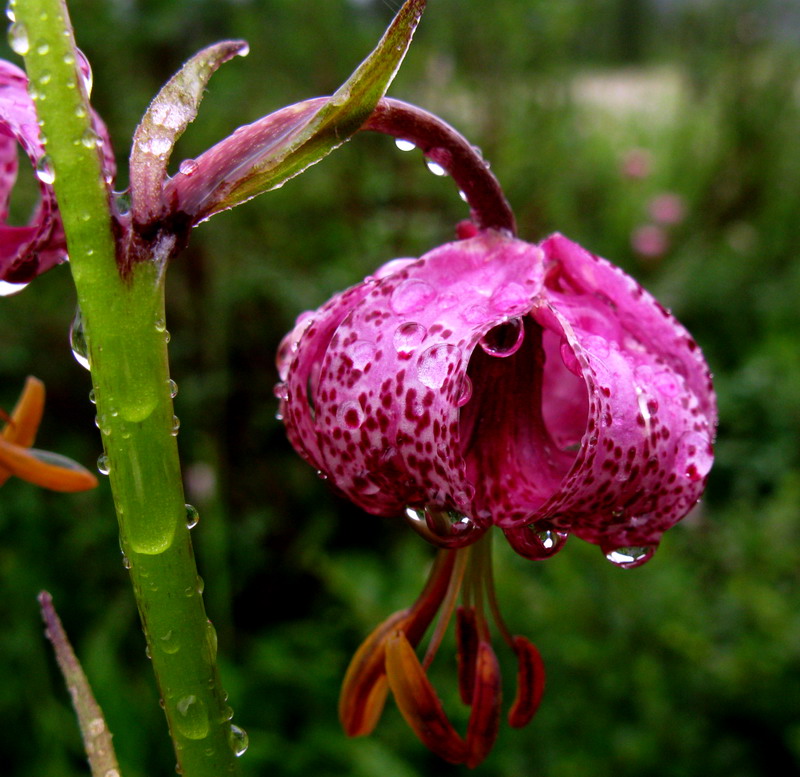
x: 394, y: 377
x: 28, y: 250
x: 45, y: 469
x: 650, y: 419
x: 530, y: 683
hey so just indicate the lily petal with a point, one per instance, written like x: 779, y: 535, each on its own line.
x: 530, y: 683
x: 484, y: 720
x: 46, y: 469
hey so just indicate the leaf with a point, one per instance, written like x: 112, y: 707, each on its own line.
x: 165, y: 120
x: 264, y: 155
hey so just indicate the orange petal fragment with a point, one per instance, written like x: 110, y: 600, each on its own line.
x: 530, y: 683
x: 484, y: 720
x: 23, y: 423
x: 418, y: 702
x: 46, y: 469
x: 467, y: 645
x: 364, y: 687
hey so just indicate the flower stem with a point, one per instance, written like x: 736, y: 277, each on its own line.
x: 123, y: 321
x: 445, y: 146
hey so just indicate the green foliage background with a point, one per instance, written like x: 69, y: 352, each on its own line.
x: 687, y: 666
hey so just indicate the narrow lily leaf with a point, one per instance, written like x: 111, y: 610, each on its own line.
x: 45, y: 469
x: 418, y: 702
x: 165, y: 120
x: 95, y: 733
x: 264, y: 155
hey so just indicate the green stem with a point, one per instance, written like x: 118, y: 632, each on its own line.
x: 127, y: 349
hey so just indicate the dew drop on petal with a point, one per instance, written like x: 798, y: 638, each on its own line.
x: 510, y: 299
x: 351, y: 415
x: 187, y: 167
x: 464, y: 393
x: 695, y: 456
x: 412, y: 296
x: 504, y: 339
x: 362, y: 352
x: 630, y: 557
x: 407, y: 337
x: 435, y: 363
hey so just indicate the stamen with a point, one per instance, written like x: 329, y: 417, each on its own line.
x: 484, y: 719
x: 448, y: 604
x: 418, y: 702
x: 467, y: 645
x: 530, y: 683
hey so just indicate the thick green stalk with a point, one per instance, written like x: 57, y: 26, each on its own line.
x: 123, y: 322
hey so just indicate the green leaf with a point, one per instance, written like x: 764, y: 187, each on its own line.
x: 265, y: 154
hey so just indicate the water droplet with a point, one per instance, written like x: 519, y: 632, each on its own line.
x: 411, y: 296
x: 695, y: 456
x: 436, y: 363
x: 238, y: 740
x: 161, y: 325
x: 77, y: 340
x: 126, y: 562
x: 187, y: 167
x: 351, y: 415
x: 96, y: 727
x: 510, y: 299
x: 464, y: 393
x: 44, y: 170
x: 168, y: 642
x: 44, y: 78
x: 103, y: 466
x: 43, y: 48
x: 404, y: 145
x: 199, y: 585
x: 504, y: 339
x: 147, y: 653
x: 192, y: 516
x: 93, y: 397
x: 407, y: 337
x: 192, y: 718
x: 435, y: 167
x: 176, y: 426
x: 463, y: 195
x: 18, y: 38
x: 90, y: 139
x: 213, y: 640
x: 443, y: 526
x: 362, y: 352
x: 630, y: 557
x: 173, y: 388
x: 122, y: 201
x: 10, y: 14
x: 7, y: 289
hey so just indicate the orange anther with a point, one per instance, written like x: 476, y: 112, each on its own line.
x: 418, y: 702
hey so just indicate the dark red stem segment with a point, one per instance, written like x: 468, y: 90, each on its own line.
x: 444, y: 145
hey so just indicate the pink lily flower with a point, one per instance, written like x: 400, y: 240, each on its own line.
x: 536, y: 388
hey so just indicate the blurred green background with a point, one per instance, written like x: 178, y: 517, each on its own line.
x: 661, y: 134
